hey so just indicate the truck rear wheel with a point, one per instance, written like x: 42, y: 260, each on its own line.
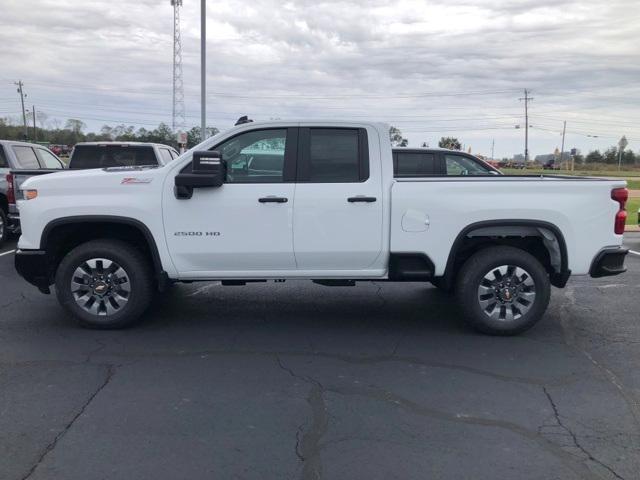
x: 105, y: 284
x: 503, y: 290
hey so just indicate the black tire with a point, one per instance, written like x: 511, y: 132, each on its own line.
x: 4, y: 226
x: 510, y: 301
x: 138, y: 279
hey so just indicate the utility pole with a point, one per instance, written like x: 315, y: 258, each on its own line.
x: 526, y: 99
x: 493, y: 144
x: 24, y: 115
x: 35, y: 133
x: 203, y: 69
x: 564, y: 131
x: 178, y: 121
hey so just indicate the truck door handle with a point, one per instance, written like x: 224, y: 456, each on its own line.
x: 273, y: 199
x: 361, y: 198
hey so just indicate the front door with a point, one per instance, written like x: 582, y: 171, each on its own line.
x: 338, y: 203
x: 243, y: 227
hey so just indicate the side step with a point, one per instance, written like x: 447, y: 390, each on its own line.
x: 336, y: 283
x: 239, y: 283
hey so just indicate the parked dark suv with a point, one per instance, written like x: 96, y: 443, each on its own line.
x: 425, y: 162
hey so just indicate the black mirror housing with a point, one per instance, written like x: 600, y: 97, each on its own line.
x: 208, y: 170
x: 209, y: 163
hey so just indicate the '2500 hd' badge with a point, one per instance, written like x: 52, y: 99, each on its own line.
x: 197, y: 234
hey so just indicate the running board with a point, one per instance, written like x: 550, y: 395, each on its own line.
x: 336, y: 283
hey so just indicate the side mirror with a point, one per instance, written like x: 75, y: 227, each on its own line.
x: 208, y: 170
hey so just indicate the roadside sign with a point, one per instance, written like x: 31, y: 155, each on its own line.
x: 182, y: 138
x: 623, y: 143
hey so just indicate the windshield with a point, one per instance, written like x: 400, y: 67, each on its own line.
x: 102, y: 156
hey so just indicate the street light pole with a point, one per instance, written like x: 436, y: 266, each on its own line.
x: 203, y: 69
x: 564, y: 130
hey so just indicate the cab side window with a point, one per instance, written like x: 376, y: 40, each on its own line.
x: 26, y: 157
x: 334, y: 155
x: 257, y: 156
x: 165, y: 155
x: 49, y: 160
x: 457, y: 165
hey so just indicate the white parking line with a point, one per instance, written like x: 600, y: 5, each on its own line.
x: 634, y: 252
x: 6, y: 253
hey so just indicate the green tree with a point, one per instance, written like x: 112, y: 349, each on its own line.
x: 630, y: 158
x: 450, y: 142
x: 397, y: 140
x: 193, y: 135
x: 611, y: 156
x: 594, y: 157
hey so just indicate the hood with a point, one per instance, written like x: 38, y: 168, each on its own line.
x: 90, y: 180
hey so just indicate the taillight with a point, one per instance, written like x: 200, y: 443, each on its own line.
x: 11, y: 193
x: 620, y: 195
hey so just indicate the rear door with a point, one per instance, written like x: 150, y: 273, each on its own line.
x: 337, y: 219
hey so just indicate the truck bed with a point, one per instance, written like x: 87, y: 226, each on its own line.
x: 428, y: 213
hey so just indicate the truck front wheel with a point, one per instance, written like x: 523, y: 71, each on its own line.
x: 105, y: 284
x: 503, y: 290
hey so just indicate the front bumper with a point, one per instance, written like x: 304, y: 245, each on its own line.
x: 608, y: 262
x: 33, y: 266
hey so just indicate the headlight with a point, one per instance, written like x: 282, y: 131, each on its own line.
x: 29, y: 194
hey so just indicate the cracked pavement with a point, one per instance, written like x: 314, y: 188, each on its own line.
x: 300, y: 381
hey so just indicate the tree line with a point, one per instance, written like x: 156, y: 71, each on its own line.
x: 74, y: 131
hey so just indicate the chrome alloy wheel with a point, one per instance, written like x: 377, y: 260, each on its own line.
x: 100, y: 286
x: 506, y: 293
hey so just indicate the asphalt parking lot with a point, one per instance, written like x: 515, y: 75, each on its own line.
x: 296, y: 380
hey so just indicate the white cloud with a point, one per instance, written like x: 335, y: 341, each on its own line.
x: 110, y: 62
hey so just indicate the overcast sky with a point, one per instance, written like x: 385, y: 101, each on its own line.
x: 432, y: 68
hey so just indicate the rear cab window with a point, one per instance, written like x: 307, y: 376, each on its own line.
x: 26, y: 157
x: 104, y: 156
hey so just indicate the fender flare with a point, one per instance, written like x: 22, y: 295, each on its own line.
x: 161, y: 275
x: 558, y: 279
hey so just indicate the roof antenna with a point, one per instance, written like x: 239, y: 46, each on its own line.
x: 243, y: 119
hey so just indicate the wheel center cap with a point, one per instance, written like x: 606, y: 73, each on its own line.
x: 100, y: 288
x: 506, y: 294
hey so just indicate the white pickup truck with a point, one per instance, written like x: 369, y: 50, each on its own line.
x: 319, y: 201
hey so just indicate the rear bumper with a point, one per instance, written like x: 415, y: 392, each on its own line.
x: 33, y: 266
x: 608, y: 262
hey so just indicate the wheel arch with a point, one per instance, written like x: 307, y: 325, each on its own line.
x: 492, y: 232
x: 58, y: 234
